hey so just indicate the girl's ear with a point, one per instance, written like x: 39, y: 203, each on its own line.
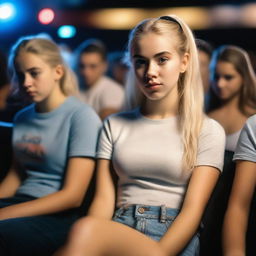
x: 184, y: 63
x: 59, y: 72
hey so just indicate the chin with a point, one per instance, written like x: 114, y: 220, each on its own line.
x: 154, y: 98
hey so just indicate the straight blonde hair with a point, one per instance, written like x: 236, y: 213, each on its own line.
x: 51, y: 54
x: 190, y: 89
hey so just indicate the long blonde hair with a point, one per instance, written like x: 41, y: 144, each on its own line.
x: 50, y: 53
x: 190, y: 89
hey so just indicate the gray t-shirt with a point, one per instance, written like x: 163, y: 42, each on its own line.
x: 147, y: 156
x: 246, y: 146
x: 43, y: 142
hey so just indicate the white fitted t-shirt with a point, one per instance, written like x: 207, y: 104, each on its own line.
x: 147, y: 157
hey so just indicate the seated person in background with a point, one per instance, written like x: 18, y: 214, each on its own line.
x: 54, y: 141
x: 232, y: 99
x: 101, y: 92
x: 232, y: 92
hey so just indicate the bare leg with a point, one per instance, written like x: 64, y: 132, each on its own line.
x: 98, y: 237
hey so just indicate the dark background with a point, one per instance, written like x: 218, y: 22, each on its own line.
x: 27, y: 22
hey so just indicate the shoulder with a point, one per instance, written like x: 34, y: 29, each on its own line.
x: 246, y: 146
x: 250, y: 126
x: 251, y: 121
x: 211, y: 145
x: 76, y: 105
x: 211, y: 127
x: 123, y: 117
x: 121, y: 121
x: 119, y: 124
x: 81, y: 110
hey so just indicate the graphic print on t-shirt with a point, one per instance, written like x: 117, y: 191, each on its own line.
x: 30, y: 146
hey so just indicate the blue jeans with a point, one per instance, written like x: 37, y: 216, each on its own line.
x: 38, y: 235
x: 153, y: 221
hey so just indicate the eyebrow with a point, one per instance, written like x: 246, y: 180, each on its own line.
x: 33, y: 68
x: 156, y: 55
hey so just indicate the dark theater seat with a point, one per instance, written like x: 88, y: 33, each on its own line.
x: 5, y: 147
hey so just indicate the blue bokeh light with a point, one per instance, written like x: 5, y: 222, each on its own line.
x: 7, y: 11
x: 66, y: 31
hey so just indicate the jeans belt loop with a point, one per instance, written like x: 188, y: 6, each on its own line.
x: 163, y: 214
x: 120, y: 211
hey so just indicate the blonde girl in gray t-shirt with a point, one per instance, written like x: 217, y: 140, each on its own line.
x: 166, y: 153
x: 54, y: 144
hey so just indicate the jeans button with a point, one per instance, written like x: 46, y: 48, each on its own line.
x: 141, y: 210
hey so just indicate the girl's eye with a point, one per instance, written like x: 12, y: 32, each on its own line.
x: 34, y: 74
x: 139, y: 62
x: 162, y: 60
x: 228, y: 77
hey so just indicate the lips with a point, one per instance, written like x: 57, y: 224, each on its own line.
x: 152, y: 85
x: 30, y: 93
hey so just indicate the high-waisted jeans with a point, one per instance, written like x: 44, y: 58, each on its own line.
x: 153, y: 221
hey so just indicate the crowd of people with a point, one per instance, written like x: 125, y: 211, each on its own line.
x: 165, y: 134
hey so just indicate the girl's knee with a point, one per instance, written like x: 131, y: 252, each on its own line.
x: 157, y: 252
x: 86, y: 226
x: 83, y: 236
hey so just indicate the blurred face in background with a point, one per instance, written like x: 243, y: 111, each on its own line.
x: 227, y: 82
x: 91, y: 67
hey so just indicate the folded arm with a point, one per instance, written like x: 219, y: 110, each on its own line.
x: 78, y: 176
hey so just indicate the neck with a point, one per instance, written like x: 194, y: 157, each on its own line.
x: 163, y: 108
x: 231, y: 103
x: 91, y: 85
x: 51, y: 102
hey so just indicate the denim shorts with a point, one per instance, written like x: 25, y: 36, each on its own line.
x: 153, y: 221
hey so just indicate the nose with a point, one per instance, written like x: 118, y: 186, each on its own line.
x: 221, y: 82
x: 85, y: 71
x: 151, y: 71
x: 27, y: 81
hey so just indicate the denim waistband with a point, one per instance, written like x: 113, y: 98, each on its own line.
x: 147, y: 211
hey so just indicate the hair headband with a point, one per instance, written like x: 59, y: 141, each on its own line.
x: 169, y: 18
